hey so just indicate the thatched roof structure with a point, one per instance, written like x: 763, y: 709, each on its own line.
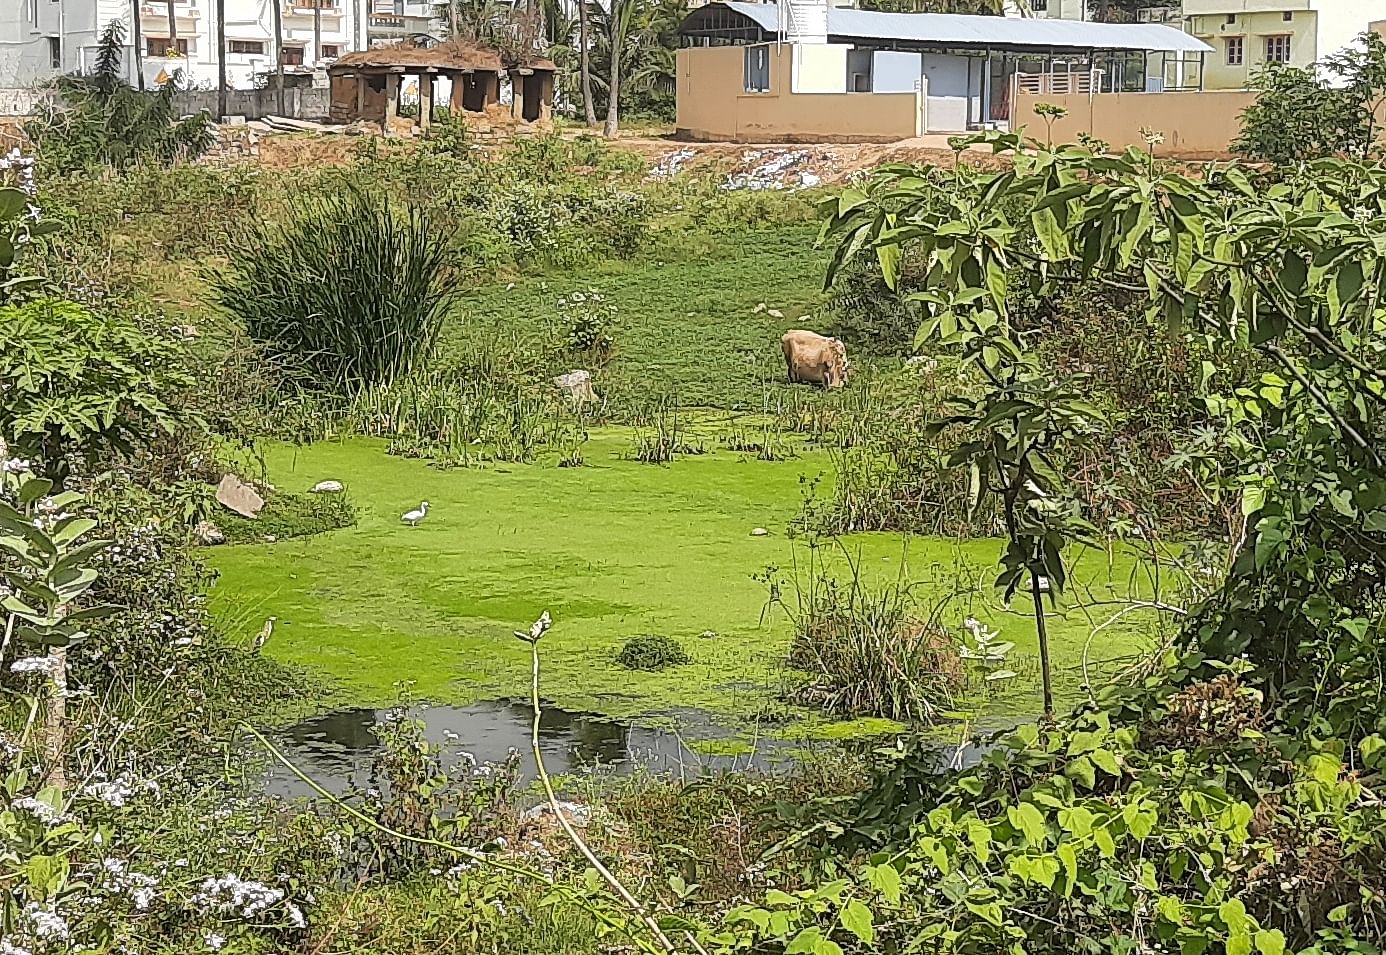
x: 450, y: 56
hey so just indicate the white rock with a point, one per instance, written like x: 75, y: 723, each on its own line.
x: 327, y: 487
x: 576, y: 385
x: 208, y: 534
x: 775, y: 313
x: 759, y: 532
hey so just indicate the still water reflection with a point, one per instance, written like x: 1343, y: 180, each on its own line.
x: 336, y: 749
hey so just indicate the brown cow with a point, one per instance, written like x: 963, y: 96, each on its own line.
x: 814, y: 359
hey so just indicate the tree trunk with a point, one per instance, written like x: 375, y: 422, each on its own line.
x: 613, y: 101
x: 317, y: 31
x: 137, y: 43
x: 278, y: 54
x: 452, y: 17
x: 585, y: 66
x: 221, y: 61
x: 55, y: 722
x: 1042, y: 631
x: 172, y: 32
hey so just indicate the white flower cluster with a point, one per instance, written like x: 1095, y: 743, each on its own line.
x: 139, y: 886
x: 245, y: 898
x: 21, y: 168
x: 31, y: 665
x: 41, y: 811
x: 119, y: 791
x: 46, y: 924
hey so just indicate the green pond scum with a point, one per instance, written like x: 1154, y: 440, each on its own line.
x: 611, y: 550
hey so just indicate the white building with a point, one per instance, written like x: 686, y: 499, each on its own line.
x: 393, y: 20
x: 41, y: 38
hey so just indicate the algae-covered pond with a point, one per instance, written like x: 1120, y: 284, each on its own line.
x: 611, y: 550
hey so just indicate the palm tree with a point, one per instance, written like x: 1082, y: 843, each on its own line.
x: 589, y: 108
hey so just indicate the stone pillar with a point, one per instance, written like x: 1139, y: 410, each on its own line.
x: 425, y: 100
x: 391, y: 100
x: 517, y: 96
x: 456, y: 103
x: 360, y: 96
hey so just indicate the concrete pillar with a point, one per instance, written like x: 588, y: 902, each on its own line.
x: 391, y: 99
x: 425, y: 100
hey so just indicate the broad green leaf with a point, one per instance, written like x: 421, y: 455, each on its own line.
x: 856, y: 918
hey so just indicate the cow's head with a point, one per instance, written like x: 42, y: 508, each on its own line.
x: 841, y: 367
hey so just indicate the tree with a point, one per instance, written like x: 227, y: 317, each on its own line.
x: 618, y: 26
x: 137, y: 44
x: 1292, y: 269
x: 589, y: 107
x: 172, y: 49
x: 1299, y: 116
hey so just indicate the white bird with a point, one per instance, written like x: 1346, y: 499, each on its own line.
x: 412, y: 518
x: 263, y: 636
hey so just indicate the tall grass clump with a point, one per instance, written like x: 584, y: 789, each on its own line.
x: 864, y: 651
x: 349, y: 292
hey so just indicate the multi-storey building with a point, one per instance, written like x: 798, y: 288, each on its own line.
x: 41, y: 38
x: 392, y: 20
x: 1248, y: 34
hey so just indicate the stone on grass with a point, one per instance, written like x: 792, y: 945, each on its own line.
x: 208, y: 534
x: 577, y: 814
x: 576, y: 386
x: 326, y: 487
x: 759, y: 532
x: 238, y: 496
x: 775, y: 313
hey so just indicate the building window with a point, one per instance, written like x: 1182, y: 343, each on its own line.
x: 1235, y: 50
x: 1278, y: 49
x: 1288, y: 16
x: 330, y: 51
x: 1039, y: 6
x: 757, y: 69
x: 55, y: 52
x: 159, y: 46
x: 291, y: 56
x: 1231, y: 19
x: 254, y: 47
x: 33, y: 13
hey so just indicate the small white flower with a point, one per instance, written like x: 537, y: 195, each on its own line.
x: 214, y: 941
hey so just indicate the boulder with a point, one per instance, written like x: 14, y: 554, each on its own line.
x: 238, y: 496
x: 759, y: 532
x: 576, y: 385
x: 327, y: 487
x: 208, y: 534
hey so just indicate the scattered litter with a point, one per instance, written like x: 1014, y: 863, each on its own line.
x: 762, y: 169
x: 670, y: 165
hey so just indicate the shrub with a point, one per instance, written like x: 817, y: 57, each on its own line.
x: 290, y: 515
x: 1298, y: 115
x: 350, y: 292
x: 867, y: 654
x: 103, y: 121
x: 586, y: 321
x: 82, y: 384
x: 652, y: 651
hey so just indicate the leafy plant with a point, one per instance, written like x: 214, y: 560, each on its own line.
x: 103, y: 121
x: 586, y: 321
x: 350, y: 292
x: 79, y: 384
x: 1300, y: 115
x: 652, y: 651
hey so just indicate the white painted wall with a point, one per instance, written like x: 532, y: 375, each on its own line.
x: 948, y: 91
x: 819, y: 68
x: 1342, y: 21
x: 26, y: 50
x: 893, y: 72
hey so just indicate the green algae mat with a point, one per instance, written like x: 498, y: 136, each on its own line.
x: 611, y: 550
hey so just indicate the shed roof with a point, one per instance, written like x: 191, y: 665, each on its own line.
x: 450, y: 55
x: 963, y: 30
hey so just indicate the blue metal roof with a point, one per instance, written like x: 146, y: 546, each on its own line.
x: 961, y: 30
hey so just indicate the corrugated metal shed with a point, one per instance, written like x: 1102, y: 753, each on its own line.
x: 959, y: 30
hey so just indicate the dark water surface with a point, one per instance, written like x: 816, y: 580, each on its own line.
x: 336, y: 749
